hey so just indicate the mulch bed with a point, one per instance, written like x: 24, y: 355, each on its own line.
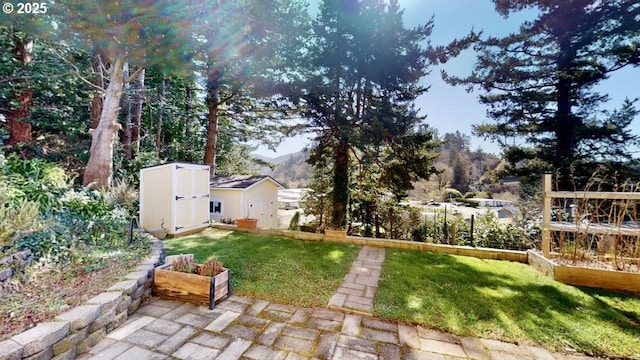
x: 48, y: 293
x: 628, y: 265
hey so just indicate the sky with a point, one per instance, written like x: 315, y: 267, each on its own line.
x: 448, y: 108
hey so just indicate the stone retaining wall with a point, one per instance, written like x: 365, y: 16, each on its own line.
x: 80, y: 328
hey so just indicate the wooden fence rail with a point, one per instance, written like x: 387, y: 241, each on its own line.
x: 577, y: 226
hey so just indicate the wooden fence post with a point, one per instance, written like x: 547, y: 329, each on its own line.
x: 546, y: 215
x: 453, y: 234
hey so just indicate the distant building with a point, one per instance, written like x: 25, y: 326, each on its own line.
x: 507, y: 212
x: 290, y: 198
x: 491, y: 203
x: 238, y: 196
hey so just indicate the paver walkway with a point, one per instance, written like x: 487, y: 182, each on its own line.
x: 246, y: 328
x: 359, y: 286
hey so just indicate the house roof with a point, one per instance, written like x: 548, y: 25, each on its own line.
x: 240, y: 181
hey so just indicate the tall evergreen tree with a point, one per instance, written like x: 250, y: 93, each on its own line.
x: 256, y: 47
x: 539, y: 86
x: 364, y: 70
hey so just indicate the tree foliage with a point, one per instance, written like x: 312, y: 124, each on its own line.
x: 57, y: 96
x: 235, y: 50
x: 363, y: 71
x: 246, y: 55
x: 539, y: 85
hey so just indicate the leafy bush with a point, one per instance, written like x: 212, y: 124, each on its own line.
x: 436, y: 230
x: 39, y: 211
x: 294, y: 224
x: 15, y: 222
x: 488, y: 232
x: 33, y: 180
x: 450, y: 193
x: 57, y: 242
x: 87, y: 204
x: 396, y: 221
x: 68, y: 238
x: 17, y: 217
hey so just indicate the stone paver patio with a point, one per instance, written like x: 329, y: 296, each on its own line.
x: 246, y: 328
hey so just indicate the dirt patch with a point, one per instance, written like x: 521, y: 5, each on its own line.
x: 49, y: 292
x: 628, y: 265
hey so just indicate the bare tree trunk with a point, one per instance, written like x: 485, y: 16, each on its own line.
x: 19, y: 129
x: 126, y: 105
x: 187, y: 126
x: 163, y: 93
x: 213, y: 102
x: 97, y: 95
x: 340, y: 185
x: 138, y: 87
x: 188, y: 105
x: 565, y: 149
x: 99, y: 170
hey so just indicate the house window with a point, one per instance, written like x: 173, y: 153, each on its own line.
x: 215, y: 207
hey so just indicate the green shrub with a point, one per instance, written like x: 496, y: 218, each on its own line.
x: 15, y: 221
x: 450, y: 193
x: 492, y: 234
x: 67, y: 237
x: 294, y: 224
x: 468, y: 202
x: 488, y: 232
x: 33, y: 180
x: 40, y: 212
x: 58, y: 241
x: 87, y: 204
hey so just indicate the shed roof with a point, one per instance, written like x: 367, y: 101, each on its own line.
x: 240, y: 181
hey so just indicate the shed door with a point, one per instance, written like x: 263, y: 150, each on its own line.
x: 266, y: 213
x: 192, y: 197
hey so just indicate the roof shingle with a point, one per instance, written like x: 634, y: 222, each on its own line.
x: 238, y: 181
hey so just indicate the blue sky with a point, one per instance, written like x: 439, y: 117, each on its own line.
x: 449, y: 108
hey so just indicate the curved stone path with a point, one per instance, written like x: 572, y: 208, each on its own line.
x: 252, y: 329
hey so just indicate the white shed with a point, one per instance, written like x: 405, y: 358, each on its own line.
x: 174, y: 197
x: 239, y: 196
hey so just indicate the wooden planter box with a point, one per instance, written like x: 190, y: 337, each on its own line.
x: 587, y: 277
x: 335, y: 233
x: 193, y: 288
x: 246, y: 223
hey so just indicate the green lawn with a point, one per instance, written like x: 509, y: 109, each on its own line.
x: 273, y: 268
x: 462, y: 295
x: 507, y: 301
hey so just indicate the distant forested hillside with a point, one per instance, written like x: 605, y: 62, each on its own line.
x: 291, y: 170
x: 462, y: 168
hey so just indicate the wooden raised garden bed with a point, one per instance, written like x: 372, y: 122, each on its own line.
x: 199, y: 289
x: 588, y: 277
x: 599, y: 216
